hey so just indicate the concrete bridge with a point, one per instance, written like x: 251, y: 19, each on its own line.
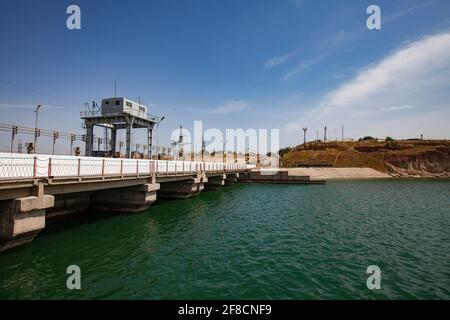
x: 36, y: 188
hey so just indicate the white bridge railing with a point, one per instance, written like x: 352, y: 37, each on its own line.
x: 44, y: 166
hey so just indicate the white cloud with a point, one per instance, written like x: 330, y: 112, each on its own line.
x: 232, y: 107
x: 411, y: 84
x: 275, y: 61
x: 406, y: 107
x: 405, y: 75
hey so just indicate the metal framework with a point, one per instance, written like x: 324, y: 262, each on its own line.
x: 38, y: 132
x: 94, y: 117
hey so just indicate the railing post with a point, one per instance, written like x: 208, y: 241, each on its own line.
x: 79, y: 167
x: 121, y: 167
x: 103, y: 167
x: 49, y: 167
x: 183, y: 166
x: 167, y: 167
x: 137, y: 167
x: 35, y: 167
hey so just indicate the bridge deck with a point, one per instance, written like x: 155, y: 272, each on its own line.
x: 23, y: 166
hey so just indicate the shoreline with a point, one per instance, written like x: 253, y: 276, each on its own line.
x: 336, y: 174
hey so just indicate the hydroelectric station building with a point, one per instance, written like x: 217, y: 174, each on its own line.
x: 115, y: 114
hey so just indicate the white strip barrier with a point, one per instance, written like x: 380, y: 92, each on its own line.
x: 43, y: 166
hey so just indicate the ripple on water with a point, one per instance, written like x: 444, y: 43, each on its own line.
x: 251, y: 242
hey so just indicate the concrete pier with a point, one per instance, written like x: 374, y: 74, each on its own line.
x: 215, y: 182
x: 22, y: 219
x: 125, y: 200
x: 69, y: 204
x: 280, y: 177
x: 231, y: 179
x: 183, y: 189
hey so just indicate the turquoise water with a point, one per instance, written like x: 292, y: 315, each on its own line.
x: 251, y: 242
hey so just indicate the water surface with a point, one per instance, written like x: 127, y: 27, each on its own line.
x: 251, y: 242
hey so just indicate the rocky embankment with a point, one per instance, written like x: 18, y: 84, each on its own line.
x: 406, y: 158
x: 432, y: 163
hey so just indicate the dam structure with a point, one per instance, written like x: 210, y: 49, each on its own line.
x: 38, y: 188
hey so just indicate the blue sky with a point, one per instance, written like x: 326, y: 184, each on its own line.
x: 233, y: 64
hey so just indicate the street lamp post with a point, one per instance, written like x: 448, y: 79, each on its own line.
x: 157, y: 137
x: 224, y: 151
x: 36, y: 126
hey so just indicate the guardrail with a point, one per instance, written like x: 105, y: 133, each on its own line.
x: 134, y: 113
x: 19, y: 166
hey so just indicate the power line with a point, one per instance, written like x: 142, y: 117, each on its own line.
x: 29, y: 89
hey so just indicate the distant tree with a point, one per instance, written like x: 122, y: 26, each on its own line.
x: 390, y: 139
x: 284, y: 151
x: 367, y: 138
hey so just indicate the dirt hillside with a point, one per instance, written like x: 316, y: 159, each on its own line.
x: 405, y: 158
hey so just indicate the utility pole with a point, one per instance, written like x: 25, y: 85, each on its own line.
x: 105, y: 135
x: 325, y: 134
x: 55, y: 137
x: 304, y: 136
x: 180, y: 145
x: 224, y: 152
x: 14, y: 131
x: 72, y: 140
x: 157, y: 137
x: 247, y: 156
x: 36, y: 126
x: 343, y: 133
x: 203, y: 148
x: 317, y: 139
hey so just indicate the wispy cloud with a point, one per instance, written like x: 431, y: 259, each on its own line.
x: 302, y: 66
x: 403, y: 75
x: 275, y: 61
x: 4, y: 105
x: 399, y: 108
x: 338, y: 39
x: 232, y: 106
x: 407, y: 10
x: 299, y: 3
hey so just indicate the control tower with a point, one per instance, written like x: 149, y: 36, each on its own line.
x: 115, y: 114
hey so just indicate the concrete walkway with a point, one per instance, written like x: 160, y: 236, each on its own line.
x: 340, y: 173
x: 337, y: 173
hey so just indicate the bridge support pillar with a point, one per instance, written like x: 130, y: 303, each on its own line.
x: 183, y: 189
x: 215, y: 183
x: 125, y: 200
x: 243, y: 177
x: 231, y: 179
x: 68, y: 204
x: 22, y: 219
